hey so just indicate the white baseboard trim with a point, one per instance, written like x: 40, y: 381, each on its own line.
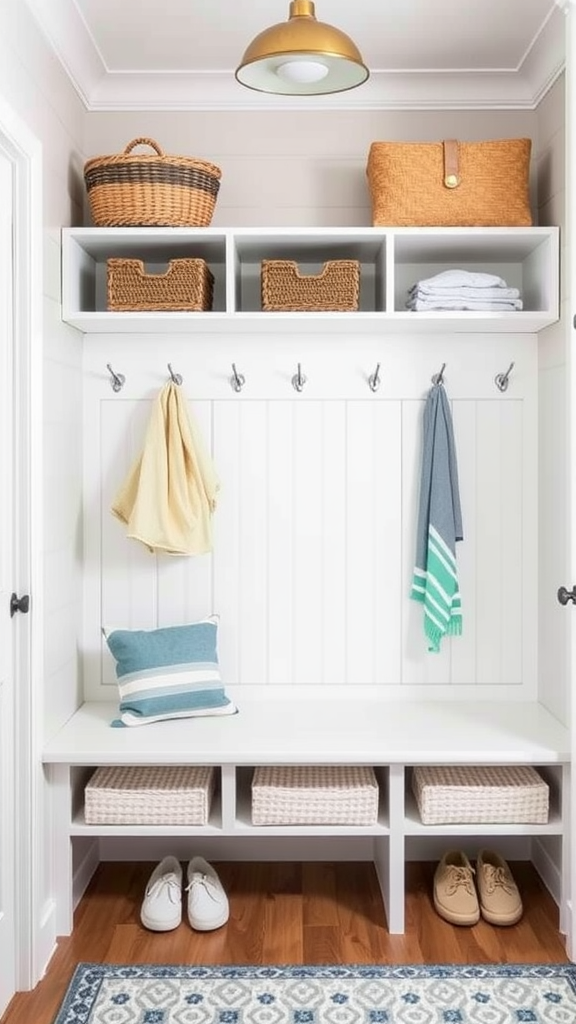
x: 549, y: 871
x: 569, y: 938
x: 84, y: 871
x: 45, y: 942
x: 239, y: 848
x: 434, y: 847
x: 300, y: 848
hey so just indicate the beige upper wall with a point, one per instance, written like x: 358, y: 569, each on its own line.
x: 35, y: 85
x: 551, y: 155
x: 295, y: 168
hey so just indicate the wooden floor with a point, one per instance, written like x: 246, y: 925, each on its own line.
x: 313, y: 913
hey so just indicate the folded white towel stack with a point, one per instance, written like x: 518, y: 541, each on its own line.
x: 463, y: 289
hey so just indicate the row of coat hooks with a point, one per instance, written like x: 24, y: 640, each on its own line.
x: 237, y: 380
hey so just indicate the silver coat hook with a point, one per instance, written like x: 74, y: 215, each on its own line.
x: 501, y: 379
x: 299, y: 380
x: 174, y: 377
x: 118, y: 379
x: 374, y: 379
x: 438, y: 378
x: 237, y: 381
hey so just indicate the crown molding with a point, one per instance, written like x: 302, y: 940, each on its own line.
x: 103, y: 90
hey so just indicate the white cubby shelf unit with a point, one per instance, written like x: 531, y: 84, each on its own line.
x: 336, y: 689
x: 390, y: 737
x: 391, y: 260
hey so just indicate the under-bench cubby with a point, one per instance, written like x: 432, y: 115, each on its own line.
x: 390, y: 737
x: 141, y: 806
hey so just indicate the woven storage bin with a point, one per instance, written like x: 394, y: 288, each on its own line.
x: 482, y: 795
x: 312, y: 795
x: 336, y: 287
x: 143, y: 189
x: 164, y: 795
x: 188, y: 284
x: 450, y: 183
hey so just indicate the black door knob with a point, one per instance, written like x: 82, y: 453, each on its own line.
x: 19, y: 604
x: 564, y: 595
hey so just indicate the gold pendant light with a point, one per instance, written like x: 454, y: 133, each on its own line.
x: 302, y: 57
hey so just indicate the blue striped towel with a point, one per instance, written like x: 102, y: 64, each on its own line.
x: 435, y: 580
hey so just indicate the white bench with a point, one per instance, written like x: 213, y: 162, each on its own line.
x: 390, y: 736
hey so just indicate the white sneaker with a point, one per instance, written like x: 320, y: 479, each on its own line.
x: 207, y: 902
x: 162, y: 905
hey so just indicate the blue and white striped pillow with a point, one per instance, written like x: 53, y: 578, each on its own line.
x: 168, y: 673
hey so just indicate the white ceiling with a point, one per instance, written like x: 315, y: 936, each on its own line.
x: 181, y: 54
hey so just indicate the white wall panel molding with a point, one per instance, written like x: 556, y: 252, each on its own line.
x: 315, y: 525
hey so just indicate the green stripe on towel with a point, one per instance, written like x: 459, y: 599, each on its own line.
x: 437, y: 590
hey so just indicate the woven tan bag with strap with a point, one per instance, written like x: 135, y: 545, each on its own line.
x: 450, y: 183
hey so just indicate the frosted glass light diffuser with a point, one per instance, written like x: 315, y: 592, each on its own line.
x: 302, y: 71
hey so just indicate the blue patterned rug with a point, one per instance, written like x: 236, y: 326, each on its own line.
x: 442, y: 994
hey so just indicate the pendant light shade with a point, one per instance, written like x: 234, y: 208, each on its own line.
x: 302, y: 57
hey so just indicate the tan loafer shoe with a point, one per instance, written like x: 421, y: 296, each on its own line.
x: 455, y: 897
x: 500, y: 901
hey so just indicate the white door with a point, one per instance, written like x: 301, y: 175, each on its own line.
x: 7, y: 724
x: 570, y: 287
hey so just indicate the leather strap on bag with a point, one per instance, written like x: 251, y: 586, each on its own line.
x: 451, y: 167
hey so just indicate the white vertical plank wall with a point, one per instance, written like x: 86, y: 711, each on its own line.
x: 314, y: 533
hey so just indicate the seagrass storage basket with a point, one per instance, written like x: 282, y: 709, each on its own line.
x: 285, y: 288
x: 450, y: 183
x: 187, y: 284
x: 134, y: 189
x: 510, y: 794
x: 314, y: 795
x: 144, y: 795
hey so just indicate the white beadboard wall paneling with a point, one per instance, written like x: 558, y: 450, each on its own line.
x: 185, y: 585
x: 125, y: 595
x: 308, y: 442
x: 493, y: 560
x: 512, y: 567
x: 385, y: 556
x: 226, y: 555
x: 251, y: 500
x: 464, y: 653
x: 280, y: 544
x: 315, y: 525
x: 372, y: 566
x: 529, y: 485
x: 553, y: 690
x: 332, y: 617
